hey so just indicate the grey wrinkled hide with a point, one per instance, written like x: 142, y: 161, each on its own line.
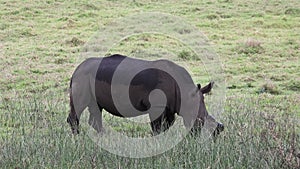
x: 128, y: 87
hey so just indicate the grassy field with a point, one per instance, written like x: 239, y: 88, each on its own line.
x: 258, y: 43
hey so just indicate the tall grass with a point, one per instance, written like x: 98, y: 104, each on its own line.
x: 38, y: 136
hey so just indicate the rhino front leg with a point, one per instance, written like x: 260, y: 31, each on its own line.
x: 169, y: 120
x: 156, y: 124
x: 162, y: 123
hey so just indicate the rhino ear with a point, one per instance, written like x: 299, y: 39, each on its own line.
x: 199, y: 86
x: 207, y: 88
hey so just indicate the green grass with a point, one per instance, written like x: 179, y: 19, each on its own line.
x: 254, y: 138
x: 257, y: 42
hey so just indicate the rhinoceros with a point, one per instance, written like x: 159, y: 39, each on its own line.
x: 95, y: 86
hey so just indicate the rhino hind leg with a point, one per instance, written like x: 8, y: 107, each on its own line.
x: 80, y: 98
x: 72, y: 118
x: 77, y: 106
x: 95, y: 119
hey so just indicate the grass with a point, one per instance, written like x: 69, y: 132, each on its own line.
x: 254, y: 138
x: 258, y: 44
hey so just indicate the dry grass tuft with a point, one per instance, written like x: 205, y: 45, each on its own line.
x: 251, y: 46
x: 269, y: 87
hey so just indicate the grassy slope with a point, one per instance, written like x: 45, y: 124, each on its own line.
x: 257, y: 41
x: 36, y: 38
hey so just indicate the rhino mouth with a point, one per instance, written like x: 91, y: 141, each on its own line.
x: 199, y: 124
